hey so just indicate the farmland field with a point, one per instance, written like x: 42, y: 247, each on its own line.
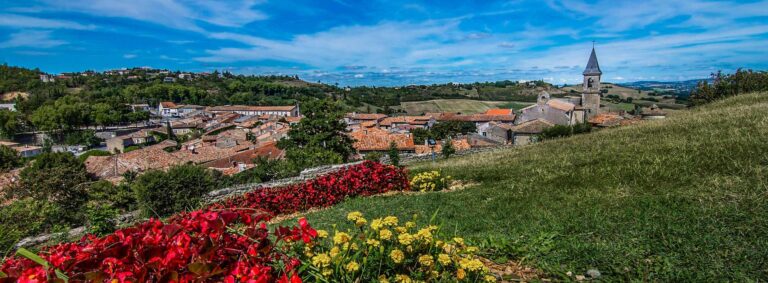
x: 466, y: 106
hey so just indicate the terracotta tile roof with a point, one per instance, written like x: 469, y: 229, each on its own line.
x: 532, y: 127
x: 151, y: 157
x: 250, y: 108
x: 475, y: 117
x: 268, y: 149
x: 365, y: 116
x: 561, y: 105
x: 376, y: 139
x: 413, y: 120
x: 168, y: 104
x: 203, y: 153
x: 606, y: 119
x: 498, y: 112
x: 458, y: 144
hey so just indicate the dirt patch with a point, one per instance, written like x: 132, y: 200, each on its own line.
x: 512, y: 271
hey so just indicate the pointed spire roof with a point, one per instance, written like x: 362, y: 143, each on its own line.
x: 593, y: 68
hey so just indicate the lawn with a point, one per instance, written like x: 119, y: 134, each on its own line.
x: 681, y: 199
x: 466, y: 106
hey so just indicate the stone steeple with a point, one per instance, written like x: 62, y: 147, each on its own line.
x: 590, y: 97
x: 593, y: 68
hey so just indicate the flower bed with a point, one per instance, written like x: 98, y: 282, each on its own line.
x: 389, y: 251
x: 430, y: 181
x: 223, y: 242
x: 366, y: 179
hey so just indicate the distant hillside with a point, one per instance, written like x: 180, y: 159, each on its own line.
x: 675, y: 200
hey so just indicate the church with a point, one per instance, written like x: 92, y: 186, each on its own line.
x: 569, y: 110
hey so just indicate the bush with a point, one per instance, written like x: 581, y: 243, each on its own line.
x: 9, y: 158
x: 394, y: 154
x: 430, y: 181
x: 24, y: 218
x: 161, y: 193
x: 57, y: 177
x: 448, y: 149
x: 374, y: 156
x: 265, y: 170
x: 117, y: 196
x: 101, y: 218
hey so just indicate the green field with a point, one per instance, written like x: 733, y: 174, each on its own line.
x: 678, y: 200
x: 466, y: 106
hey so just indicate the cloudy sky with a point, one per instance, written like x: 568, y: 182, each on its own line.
x: 390, y: 42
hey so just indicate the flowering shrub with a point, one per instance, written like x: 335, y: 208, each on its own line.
x: 226, y: 242
x: 368, y: 178
x: 385, y: 251
x: 198, y: 246
x: 430, y: 181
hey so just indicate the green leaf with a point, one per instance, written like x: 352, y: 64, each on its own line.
x: 32, y: 256
x: 3, y: 274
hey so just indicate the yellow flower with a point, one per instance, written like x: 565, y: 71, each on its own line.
x: 352, y: 266
x: 490, y: 278
x: 459, y: 241
x: 471, y: 249
x: 373, y: 242
x: 426, y: 260
x: 353, y: 216
x: 471, y: 264
x: 401, y: 229
x: 405, y: 239
x: 360, y: 222
x: 444, y: 259
x: 424, y: 234
x: 322, y: 233
x: 321, y: 260
x: 376, y: 224
x: 439, y: 244
x: 460, y: 274
x: 354, y: 246
x: 341, y: 238
x: 385, y: 234
x: 410, y: 224
x: 390, y: 221
x: 448, y: 248
x: 327, y: 272
x: 397, y: 256
x: 402, y: 278
x: 335, y: 251
x: 383, y: 279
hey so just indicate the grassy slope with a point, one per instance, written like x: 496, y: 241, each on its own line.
x: 455, y: 105
x: 683, y: 199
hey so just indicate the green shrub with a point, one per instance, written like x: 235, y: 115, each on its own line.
x: 9, y: 158
x: 24, y: 218
x: 161, y: 193
x: 374, y: 156
x: 117, y: 196
x: 394, y: 154
x: 101, y: 218
x: 448, y: 149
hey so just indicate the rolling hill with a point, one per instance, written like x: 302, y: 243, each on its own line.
x: 676, y: 200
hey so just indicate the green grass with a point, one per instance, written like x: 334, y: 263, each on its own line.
x: 466, y: 106
x: 678, y: 200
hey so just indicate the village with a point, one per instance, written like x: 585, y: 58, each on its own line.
x: 231, y: 138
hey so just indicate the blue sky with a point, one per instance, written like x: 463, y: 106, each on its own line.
x: 390, y: 42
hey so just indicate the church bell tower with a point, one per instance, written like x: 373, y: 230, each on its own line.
x: 590, y: 96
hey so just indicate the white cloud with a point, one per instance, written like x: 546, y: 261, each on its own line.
x: 19, y: 21
x: 176, y: 14
x: 359, y: 76
x: 31, y: 38
x: 129, y: 56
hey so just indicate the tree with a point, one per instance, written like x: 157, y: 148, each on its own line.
x: 161, y: 193
x: 320, y: 138
x: 57, y: 177
x: 9, y: 158
x: 10, y: 123
x: 448, y: 148
x: 394, y: 154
